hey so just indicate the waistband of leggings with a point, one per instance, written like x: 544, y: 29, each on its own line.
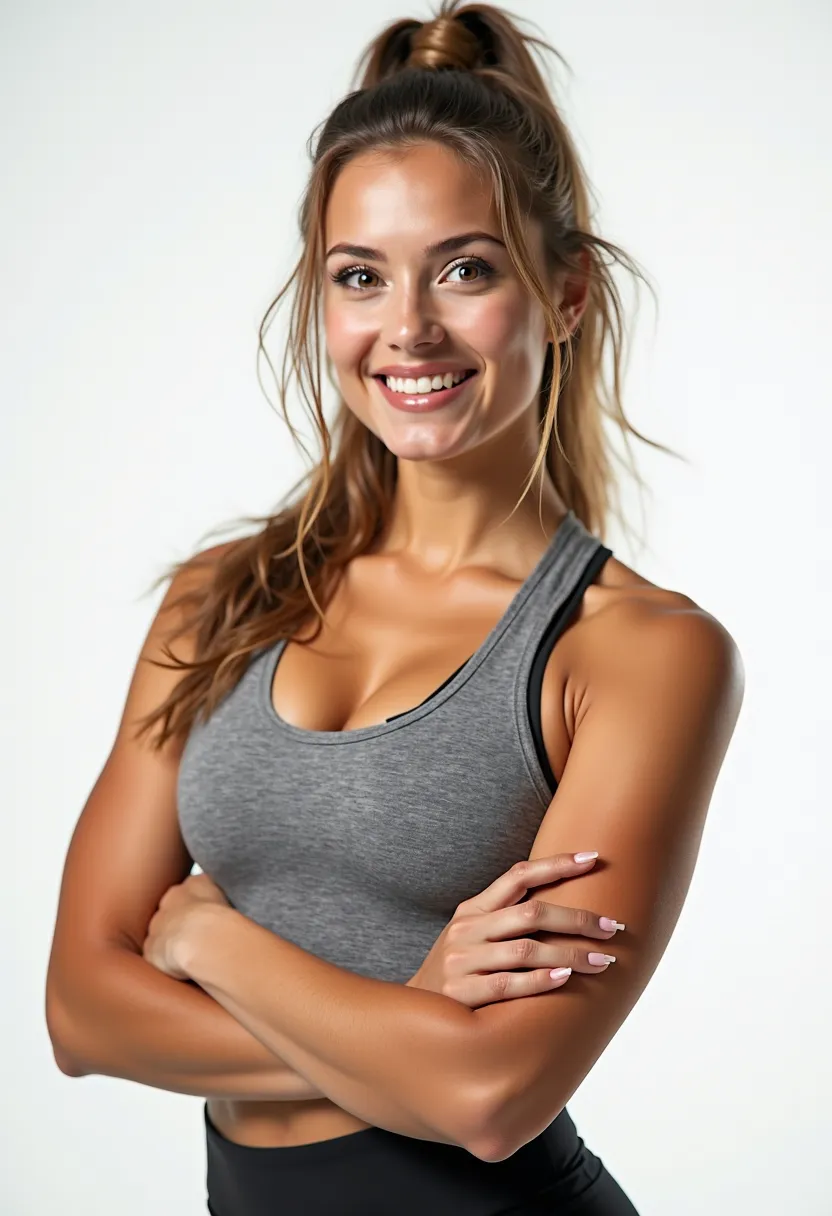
x: 366, y: 1139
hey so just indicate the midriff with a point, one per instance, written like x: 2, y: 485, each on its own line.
x: 282, y: 1124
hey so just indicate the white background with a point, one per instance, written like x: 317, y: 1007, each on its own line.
x: 153, y: 156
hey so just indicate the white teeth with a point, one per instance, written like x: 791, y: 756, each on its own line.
x: 423, y: 384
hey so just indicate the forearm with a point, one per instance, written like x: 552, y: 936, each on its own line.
x: 351, y: 1094
x: 397, y: 1057
x: 124, y: 1018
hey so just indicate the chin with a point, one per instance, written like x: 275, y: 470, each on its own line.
x: 419, y: 447
x: 414, y: 438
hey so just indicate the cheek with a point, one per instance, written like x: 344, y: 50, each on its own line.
x: 348, y: 334
x: 511, y: 333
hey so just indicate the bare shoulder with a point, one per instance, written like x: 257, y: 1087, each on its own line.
x: 196, y: 572
x: 634, y: 630
x: 188, y: 585
x: 623, y: 598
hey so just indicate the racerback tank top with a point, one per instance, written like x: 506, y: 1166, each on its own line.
x: 358, y: 845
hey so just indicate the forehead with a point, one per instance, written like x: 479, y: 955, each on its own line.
x: 408, y: 197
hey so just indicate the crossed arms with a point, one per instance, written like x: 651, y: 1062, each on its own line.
x: 651, y: 730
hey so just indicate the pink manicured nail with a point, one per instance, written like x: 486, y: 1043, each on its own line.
x: 607, y: 924
x: 599, y: 960
x: 579, y: 857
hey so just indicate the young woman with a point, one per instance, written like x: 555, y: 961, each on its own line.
x: 396, y: 712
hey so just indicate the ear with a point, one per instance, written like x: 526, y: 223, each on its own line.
x: 573, y: 292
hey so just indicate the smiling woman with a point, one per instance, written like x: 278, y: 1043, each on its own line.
x: 459, y: 296
x: 407, y: 701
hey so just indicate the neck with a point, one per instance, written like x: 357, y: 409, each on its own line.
x: 453, y: 513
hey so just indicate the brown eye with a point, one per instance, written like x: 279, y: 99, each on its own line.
x: 471, y: 270
x: 358, y: 278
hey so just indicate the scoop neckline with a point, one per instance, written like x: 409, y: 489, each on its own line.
x: 565, y: 529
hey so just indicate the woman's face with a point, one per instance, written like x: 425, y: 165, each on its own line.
x: 419, y: 292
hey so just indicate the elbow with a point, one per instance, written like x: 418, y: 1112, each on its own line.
x: 486, y: 1134
x: 505, y: 1133
x: 62, y: 1035
x: 486, y: 1142
x: 493, y: 1144
x: 476, y: 1095
x: 463, y: 1110
x: 67, y: 1064
x: 508, y: 1118
x: 491, y: 1141
x: 486, y: 1148
x: 479, y: 1128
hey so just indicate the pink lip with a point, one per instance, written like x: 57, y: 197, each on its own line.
x: 423, y: 403
x: 421, y: 369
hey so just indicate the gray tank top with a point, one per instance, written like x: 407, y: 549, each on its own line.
x: 358, y: 845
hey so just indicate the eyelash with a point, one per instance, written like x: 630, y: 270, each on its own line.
x: 486, y: 269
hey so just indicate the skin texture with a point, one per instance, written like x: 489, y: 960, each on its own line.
x: 409, y: 308
x: 444, y: 569
x: 642, y: 677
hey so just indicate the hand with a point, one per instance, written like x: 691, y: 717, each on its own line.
x: 474, y: 957
x: 169, y: 924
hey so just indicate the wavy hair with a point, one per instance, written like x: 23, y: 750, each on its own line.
x: 467, y: 79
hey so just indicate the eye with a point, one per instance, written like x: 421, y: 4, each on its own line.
x: 363, y: 272
x: 471, y: 270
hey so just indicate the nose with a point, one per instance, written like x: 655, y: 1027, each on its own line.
x: 410, y: 320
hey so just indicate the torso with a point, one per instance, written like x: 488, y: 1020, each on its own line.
x: 369, y: 663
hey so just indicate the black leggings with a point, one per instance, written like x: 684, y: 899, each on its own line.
x: 374, y: 1172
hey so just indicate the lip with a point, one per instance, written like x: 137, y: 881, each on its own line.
x: 414, y: 371
x: 424, y: 403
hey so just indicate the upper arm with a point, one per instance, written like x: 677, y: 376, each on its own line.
x: 126, y: 848
x: 653, y: 729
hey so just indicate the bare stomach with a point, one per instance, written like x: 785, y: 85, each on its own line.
x: 281, y: 1124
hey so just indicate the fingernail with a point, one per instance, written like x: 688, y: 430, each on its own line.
x: 585, y: 856
x: 560, y: 972
x: 606, y: 923
x: 600, y: 960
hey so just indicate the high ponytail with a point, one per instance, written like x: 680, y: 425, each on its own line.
x: 470, y: 38
x: 468, y: 79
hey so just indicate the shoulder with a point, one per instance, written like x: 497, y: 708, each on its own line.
x: 190, y: 583
x: 202, y: 566
x: 635, y: 631
x: 636, y: 634
x: 629, y: 634
x: 190, y: 579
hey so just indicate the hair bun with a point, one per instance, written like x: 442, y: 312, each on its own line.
x: 444, y: 43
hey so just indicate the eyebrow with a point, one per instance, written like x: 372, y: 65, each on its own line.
x: 449, y: 245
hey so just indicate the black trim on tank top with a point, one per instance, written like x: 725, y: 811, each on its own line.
x: 430, y: 695
x: 544, y: 649
x: 545, y: 646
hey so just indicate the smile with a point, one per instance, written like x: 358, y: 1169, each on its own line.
x: 424, y: 384
x: 418, y: 395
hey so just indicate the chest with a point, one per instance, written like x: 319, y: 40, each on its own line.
x: 341, y: 801
x: 389, y: 645
x: 357, y: 846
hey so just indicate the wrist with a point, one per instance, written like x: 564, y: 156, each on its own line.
x: 201, y: 927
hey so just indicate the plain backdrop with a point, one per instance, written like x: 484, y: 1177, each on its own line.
x: 153, y: 156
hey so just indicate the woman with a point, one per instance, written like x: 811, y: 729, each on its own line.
x: 380, y: 1018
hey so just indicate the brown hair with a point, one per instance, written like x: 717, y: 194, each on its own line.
x: 467, y: 79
